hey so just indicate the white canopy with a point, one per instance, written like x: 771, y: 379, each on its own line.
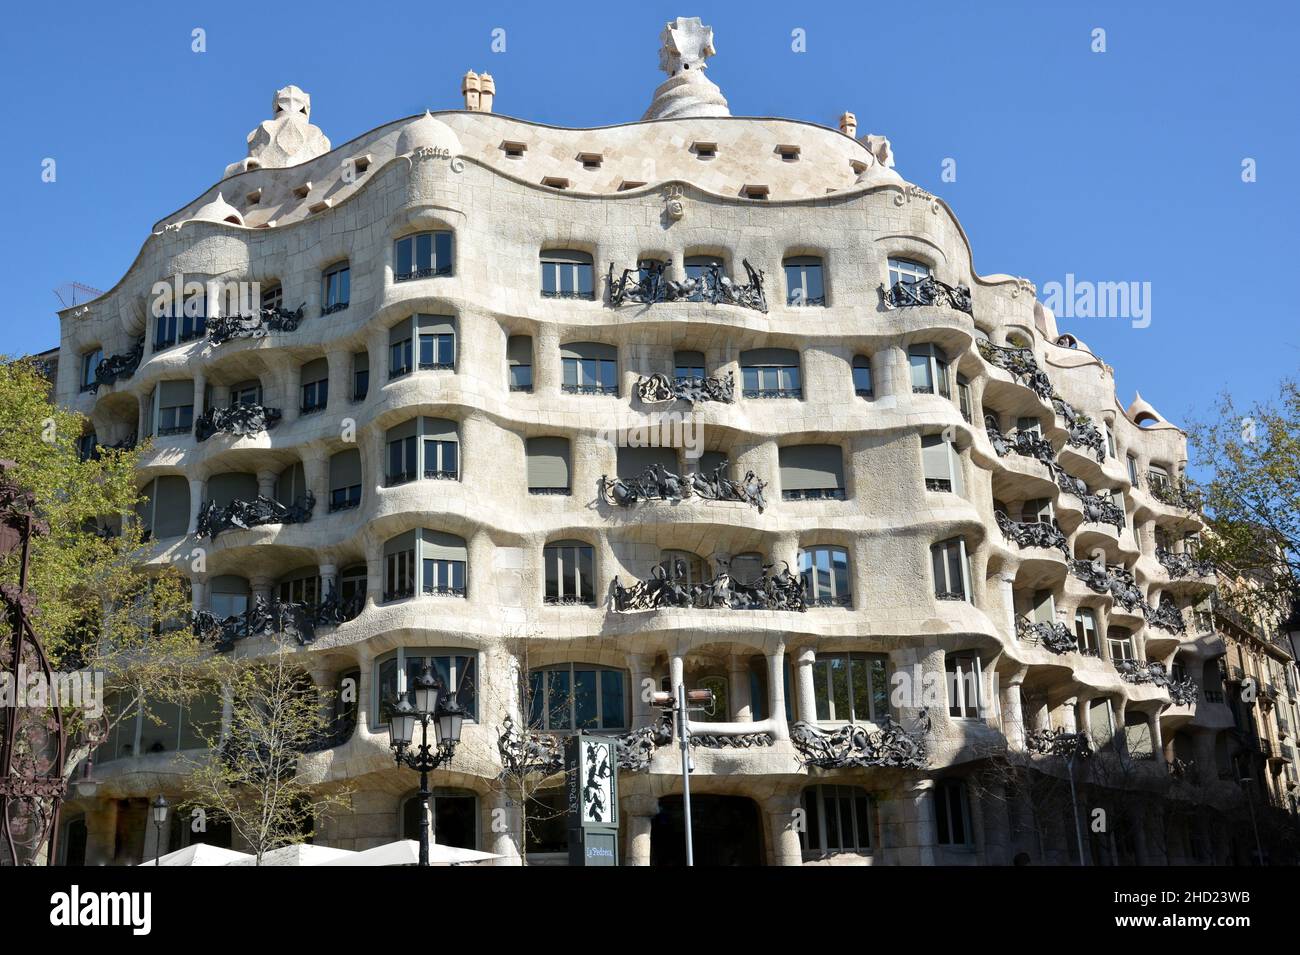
x: 296, y: 855
x: 407, y: 852
x: 202, y: 854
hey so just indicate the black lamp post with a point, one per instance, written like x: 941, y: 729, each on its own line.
x: 159, y: 810
x: 432, y: 705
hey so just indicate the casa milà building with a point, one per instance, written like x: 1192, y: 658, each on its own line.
x: 900, y: 524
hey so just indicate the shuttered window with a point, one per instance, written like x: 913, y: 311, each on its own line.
x: 570, y: 573
x: 422, y: 256
x: 165, y: 512
x: 519, y: 359
x: 770, y: 373
x: 174, y: 407
x: 965, y: 685
x: 812, y: 472
x: 941, y: 465
x: 291, y: 485
x: 548, y: 465
x: 633, y: 462
x: 951, y: 567
x: 232, y: 486
x: 345, y: 479
x: 567, y: 273
x: 360, y: 375
x: 315, y: 385
x: 589, y: 368
x: 929, y: 367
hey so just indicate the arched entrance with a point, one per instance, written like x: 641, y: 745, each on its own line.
x: 726, y: 830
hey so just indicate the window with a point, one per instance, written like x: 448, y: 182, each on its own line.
x: 1157, y: 476
x: 770, y: 373
x: 1038, y: 511
x: 577, y: 696
x: 631, y: 463
x: 708, y: 269
x: 704, y: 150
x: 345, y: 480
x: 755, y: 191
x: 315, y: 385
x: 589, y: 368
x: 246, y: 393
x: 964, y: 402
x: 429, y: 340
x: 965, y: 685
x: 336, y: 289
x: 1137, y: 736
x: 1101, y: 723
x: 272, y: 298
x: 360, y: 376
x: 952, y: 814
x: 165, y: 510
x: 812, y: 472
x: 1085, y: 631
x: 590, y: 160
x: 556, y: 182
x: 941, y: 464
x: 302, y: 587
x: 514, y: 150
x: 683, y: 566
x: 1133, y: 470
x: 89, y: 362
x: 804, y: 284
x: 906, y: 271
x: 548, y: 465
x: 174, y: 410
x: 291, y: 485
x: 567, y: 273
x: 423, y: 447
x: 440, y: 557
x: 396, y: 672
x: 951, y: 565
x: 850, y: 688
x: 1030, y: 425
x: 688, y: 364
x: 352, y: 587
x: 1119, y: 642
x: 837, y: 819
x: 862, y: 377
x: 825, y: 573
x: 422, y: 256
x: 788, y: 153
x: 181, y: 321
x: 453, y: 818
x: 929, y: 370
x: 570, y: 573
x: 519, y: 360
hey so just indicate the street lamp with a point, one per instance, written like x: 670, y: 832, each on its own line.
x: 88, y: 785
x: 432, y: 705
x: 160, y: 807
x: 683, y: 703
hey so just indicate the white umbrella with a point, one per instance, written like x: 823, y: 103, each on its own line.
x: 202, y: 854
x: 296, y: 855
x: 407, y: 852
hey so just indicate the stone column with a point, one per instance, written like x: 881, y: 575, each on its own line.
x: 738, y: 689
x: 340, y: 378
x: 502, y: 828
x: 1013, y: 720
x: 1069, y: 715
x: 1007, y: 582
x: 200, y: 392
x: 1157, y: 741
x: 101, y: 832
x: 806, y: 690
x: 266, y: 483
x: 639, y: 811
x: 546, y: 361
x: 787, y: 849
x: 640, y: 667
x: 329, y: 577
x: 261, y: 587
x: 776, y: 692
x: 907, y: 823
x: 316, y: 472
x: 197, y: 487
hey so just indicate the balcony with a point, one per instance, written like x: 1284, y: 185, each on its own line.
x: 433, y: 271
x: 1029, y: 444
x: 1020, y: 364
x: 783, y: 591
x: 1173, y: 493
x: 829, y: 493
x: 658, y: 389
x: 795, y: 393
x: 657, y: 483
x: 1082, y: 432
x: 116, y: 368
x: 1055, y: 636
x: 245, y: 514
x: 542, y: 753
x: 649, y: 285
x: 856, y: 746
x: 1032, y: 533
x: 1167, y: 617
x: 231, y: 327
x: 1183, y: 565
x: 610, y: 390
x: 1109, y: 579
x: 268, y: 618
x: 241, y: 420
x: 926, y: 291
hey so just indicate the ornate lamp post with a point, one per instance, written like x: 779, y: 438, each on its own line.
x: 159, y: 810
x: 432, y: 705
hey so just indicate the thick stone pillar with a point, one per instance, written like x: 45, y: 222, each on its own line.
x: 1013, y: 719
x: 502, y: 828
x: 639, y: 811
x: 101, y: 833
x: 783, y: 824
x: 738, y: 689
x: 266, y: 483
x: 776, y: 692
x: 805, y: 690
x: 197, y: 487
x: 640, y: 668
x: 316, y: 472
x: 546, y: 361
x: 1069, y: 715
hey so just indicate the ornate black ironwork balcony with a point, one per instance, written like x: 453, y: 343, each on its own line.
x: 240, y: 419
x: 400, y: 478
x: 399, y: 593
x: 611, y: 390
x: 437, y: 366
x: 1184, y: 565
x: 335, y: 734
x: 441, y: 590
x: 569, y: 294
x: 174, y: 430
x: 781, y: 591
x: 1032, y: 533
x: 1029, y: 444
x: 550, y: 491
x: 821, y: 494
x: 731, y: 740
x: 266, y: 618
x: 927, y: 291
x: 116, y: 368
x: 569, y: 600
x: 255, y: 513
x: 1167, y: 617
x: 332, y: 309
x: 657, y: 483
x: 796, y: 393
x: 1082, y: 432
x: 1183, y: 692
x: 1020, y: 363
x: 1055, y: 636
x: 857, y: 745
x: 1175, y: 494
x: 432, y: 271
x: 1058, y: 742
x: 649, y: 285
x: 1139, y: 672
x: 660, y: 388
x: 525, y: 754
x: 1109, y: 579
x: 275, y: 319
x: 436, y: 474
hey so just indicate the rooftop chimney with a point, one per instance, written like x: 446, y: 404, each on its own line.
x: 478, y: 90
x: 487, y: 89
x: 849, y: 125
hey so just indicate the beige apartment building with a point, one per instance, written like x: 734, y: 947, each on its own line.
x: 571, y: 414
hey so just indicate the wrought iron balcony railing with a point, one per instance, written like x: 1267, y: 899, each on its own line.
x: 1082, y: 432
x: 780, y: 591
x: 255, y: 513
x: 333, y: 309
x: 437, y: 474
x: 927, y: 291
x: 1142, y: 671
x: 337, y: 733
x: 539, y: 753
x: 660, y: 388
x: 1020, y: 364
x: 116, y: 368
x: 1183, y: 565
x: 1109, y: 579
x: 1174, y: 494
x: 1167, y: 617
x: 444, y: 590
x: 610, y: 390
x: 1029, y: 444
x: 816, y: 494
x: 657, y: 483
x: 649, y: 285
x: 240, y: 419
x: 432, y: 271
x: 1055, y: 636
x: 856, y: 745
x: 227, y: 328
x: 1032, y: 533
x: 796, y: 393
x: 269, y: 617
x: 1058, y: 742
x: 400, y: 478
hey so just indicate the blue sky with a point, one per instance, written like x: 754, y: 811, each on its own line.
x: 1115, y: 166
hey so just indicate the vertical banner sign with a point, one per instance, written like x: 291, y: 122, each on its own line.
x: 591, y: 769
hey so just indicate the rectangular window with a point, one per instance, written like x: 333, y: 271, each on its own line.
x: 421, y: 256
x: 941, y: 465
x: 570, y: 577
x: 440, y: 459
x: 567, y: 274
x: 360, y: 376
x: 952, y: 814
x: 825, y: 574
x: 547, y: 465
x: 400, y: 358
x: 804, y: 286
x: 1133, y: 470
x: 395, y: 677
x: 1120, y: 644
x: 812, y: 472
x: 906, y: 271
x: 437, y: 351
x: 574, y: 697
x: 399, y: 575
x: 442, y: 576
x: 770, y: 373
x: 862, y: 386
x: 315, y: 395
x: 590, y: 376
x: 837, y: 819
x: 89, y: 362
x: 336, y: 290
x: 850, y: 688
x: 929, y: 367
x: 951, y: 567
x: 1085, y: 631
x: 402, y: 463
x: 965, y: 685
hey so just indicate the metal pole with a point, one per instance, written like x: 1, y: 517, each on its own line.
x: 1259, y: 849
x: 424, y: 793
x: 683, y: 734
x: 157, y: 842
x: 1078, y: 831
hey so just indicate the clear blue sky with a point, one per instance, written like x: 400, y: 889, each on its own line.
x: 1115, y: 166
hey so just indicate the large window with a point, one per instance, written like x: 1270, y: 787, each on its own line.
x: 182, y: 321
x: 701, y: 268
x: 437, y: 558
x: 862, y: 386
x: 570, y: 573
x: 301, y: 587
x: 929, y: 367
x: 396, y: 673
x: 336, y: 289
x: 770, y: 373
x: 825, y: 573
x: 1101, y: 723
x: 246, y: 393
x: 567, y: 273
x: 548, y: 465
x: 453, y: 818
x: 965, y: 679
x: 850, y: 688
x: 941, y: 464
x: 837, y: 819
x: 345, y: 480
x: 812, y: 472
x: 589, y: 368
x: 519, y: 360
x: 360, y: 375
x: 1119, y: 642
x: 315, y: 385
x: 422, y: 256
x: 1085, y: 631
x: 952, y: 814
x: 577, y: 696
x: 951, y: 566
x: 804, y: 285
x: 422, y: 447
x: 165, y: 510
x: 426, y: 341
x: 89, y: 362
x: 173, y: 407
x: 906, y: 271
x: 1133, y: 470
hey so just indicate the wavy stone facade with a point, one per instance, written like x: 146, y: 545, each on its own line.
x: 735, y: 190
